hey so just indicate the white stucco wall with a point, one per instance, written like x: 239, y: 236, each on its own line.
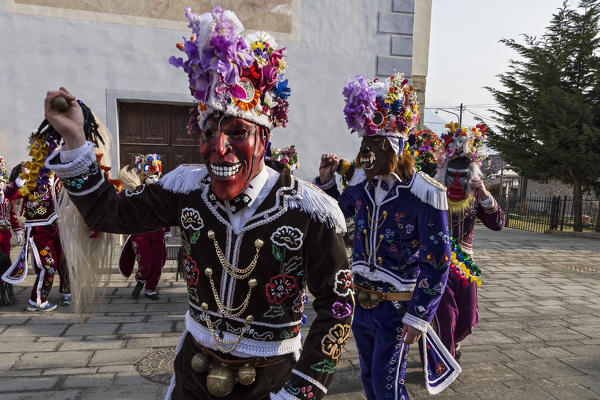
x: 95, y: 60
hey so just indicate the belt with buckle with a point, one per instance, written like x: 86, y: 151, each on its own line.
x: 369, y: 299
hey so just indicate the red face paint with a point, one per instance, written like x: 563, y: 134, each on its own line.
x: 233, y: 150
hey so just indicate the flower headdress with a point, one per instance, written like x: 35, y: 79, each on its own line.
x: 461, y: 141
x: 3, y: 171
x: 386, y: 108
x: 424, y: 147
x: 146, y: 165
x: 286, y: 155
x: 239, y: 76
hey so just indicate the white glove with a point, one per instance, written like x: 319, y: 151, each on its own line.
x: 19, y: 238
x: 168, y: 236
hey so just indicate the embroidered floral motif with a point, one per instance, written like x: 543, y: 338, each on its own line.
x: 298, y: 306
x: 326, y: 366
x: 341, y: 311
x: 398, y: 216
x: 281, y: 287
x: 288, y: 237
x: 358, y: 205
x: 409, y: 229
x: 191, y: 271
x: 343, y: 283
x: 135, y: 192
x: 332, y: 344
x: 191, y: 219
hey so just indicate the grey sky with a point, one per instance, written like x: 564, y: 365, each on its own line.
x: 464, y: 52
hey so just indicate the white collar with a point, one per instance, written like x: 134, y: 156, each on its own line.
x: 256, y: 185
x: 389, y: 179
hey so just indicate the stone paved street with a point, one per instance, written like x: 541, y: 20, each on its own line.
x: 538, y: 337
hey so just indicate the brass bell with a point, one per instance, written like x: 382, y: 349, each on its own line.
x: 211, y: 234
x: 258, y: 243
x: 252, y: 282
x: 208, y: 272
x: 200, y: 362
x: 246, y: 374
x: 220, y: 381
x: 204, y: 306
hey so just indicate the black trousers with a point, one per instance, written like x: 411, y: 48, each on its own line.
x: 191, y: 385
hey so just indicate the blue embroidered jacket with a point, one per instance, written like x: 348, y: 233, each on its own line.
x: 402, y: 242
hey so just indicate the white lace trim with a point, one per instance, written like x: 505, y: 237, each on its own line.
x: 246, y: 347
x: 77, y: 167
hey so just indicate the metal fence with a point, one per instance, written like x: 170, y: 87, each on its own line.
x: 540, y: 214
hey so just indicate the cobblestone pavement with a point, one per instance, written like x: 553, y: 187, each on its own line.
x: 538, y: 337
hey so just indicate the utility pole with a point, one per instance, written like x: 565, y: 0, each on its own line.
x: 460, y: 115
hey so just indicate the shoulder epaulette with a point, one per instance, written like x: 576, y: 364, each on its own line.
x: 429, y: 191
x: 184, y: 179
x: 319, y: 205
x: 359, y: 176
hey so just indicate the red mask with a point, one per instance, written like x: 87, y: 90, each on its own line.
x: 233, y: 150
x: 457, y: 179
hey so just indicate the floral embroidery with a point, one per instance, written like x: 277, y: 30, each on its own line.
x: 358, y: 205
x: 332, y: 344
x: 398, y: 217
x: 326, y: 366
x: 343, y: 283
x: 298, y: 306
x: 191, y: 270
x: 409, y: 229
x: 341, y: 311
x: 281, y: 287
x: 191, y: 219
x: 291, y: 264
x: 288, y: 237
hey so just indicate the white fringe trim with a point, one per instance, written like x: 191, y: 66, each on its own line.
x: 177, y: 350
x: 184, y: 179
x: 429, y: 191
x: 319, y: 205
x: 358, y: 177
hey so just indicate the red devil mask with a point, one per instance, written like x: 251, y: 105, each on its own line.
x: 458, y: 179
x: 233, y: 150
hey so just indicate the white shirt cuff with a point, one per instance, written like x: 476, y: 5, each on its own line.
x: 487, y: 203
x: 415, y: 322
x: 283, y: 395
x: 66, y: 156
x: 20, y: 182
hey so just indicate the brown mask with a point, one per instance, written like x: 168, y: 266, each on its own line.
x: 376, y: 157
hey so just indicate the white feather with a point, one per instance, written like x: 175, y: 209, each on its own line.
x: 184, y: 179
x: 319, y: 205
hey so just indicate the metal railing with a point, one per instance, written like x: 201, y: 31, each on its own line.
x: 540, y: 214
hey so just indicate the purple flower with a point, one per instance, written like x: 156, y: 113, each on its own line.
x: 267, y: 78
x: 360, y: 104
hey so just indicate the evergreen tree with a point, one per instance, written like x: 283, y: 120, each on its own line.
x: 549, y: 117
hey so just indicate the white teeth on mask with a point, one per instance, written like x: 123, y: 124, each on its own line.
x: 226, y: 170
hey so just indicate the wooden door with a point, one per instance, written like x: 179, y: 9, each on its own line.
x: 156, y: 128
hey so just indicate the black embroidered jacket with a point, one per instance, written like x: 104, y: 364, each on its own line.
x: 246, y: 291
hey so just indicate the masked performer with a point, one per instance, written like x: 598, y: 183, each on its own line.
x: 8, y: 216
x: 148, y: 248
x: 468, y: 199
x: 42, y: 234
x: 253, y: 236
x: 401, y: 251
x: 8, y: 221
